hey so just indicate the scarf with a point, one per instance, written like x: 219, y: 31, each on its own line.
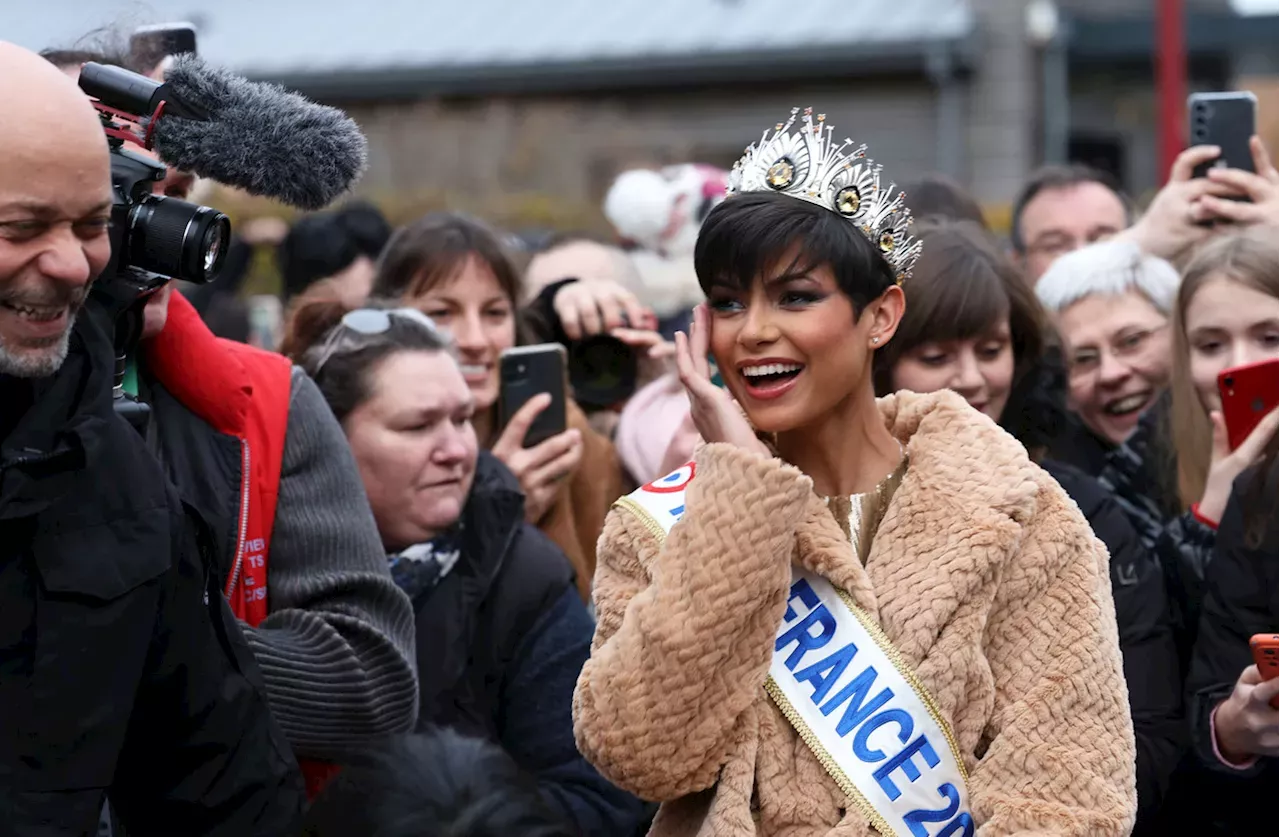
x: 419, y: 568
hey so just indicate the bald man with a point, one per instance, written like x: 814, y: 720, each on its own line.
x: 122, y: 672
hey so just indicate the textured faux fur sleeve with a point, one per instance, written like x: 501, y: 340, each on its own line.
x: 683, y: 641
x: 1061, y: 753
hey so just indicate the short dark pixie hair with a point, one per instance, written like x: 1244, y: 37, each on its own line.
x: 752, y: 232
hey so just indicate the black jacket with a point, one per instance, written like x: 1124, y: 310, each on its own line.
x: 501, y: 640
x: 1151, y: 666
x: 122, y: 672
x: 1240, y: 601
x: 1142, y: 475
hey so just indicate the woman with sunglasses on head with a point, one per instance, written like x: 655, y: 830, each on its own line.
x: 501, y: 630
x: 456, y: 270
x: 846, y: 616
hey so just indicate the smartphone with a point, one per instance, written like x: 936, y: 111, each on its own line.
x: 151, y: 44
x: 527, y: 371
x: 1248, y: 393
x: 1226, y: 120
x: 1266, y: 656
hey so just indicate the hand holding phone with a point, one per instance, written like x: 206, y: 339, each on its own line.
x: 1227, y: 120
x: 1266, y: 656
x: 527, y: 371
x: 535, y: 443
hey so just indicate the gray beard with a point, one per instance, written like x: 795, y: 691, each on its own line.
x: 40, y: 363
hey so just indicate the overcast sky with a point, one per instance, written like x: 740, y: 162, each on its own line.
x: 1256, y: 6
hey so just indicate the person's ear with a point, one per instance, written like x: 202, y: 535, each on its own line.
x: 885, y: 315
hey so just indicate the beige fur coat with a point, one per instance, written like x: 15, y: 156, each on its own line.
x: 983, y: 573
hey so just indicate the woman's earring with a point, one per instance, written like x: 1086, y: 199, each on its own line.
x: 875, y: 341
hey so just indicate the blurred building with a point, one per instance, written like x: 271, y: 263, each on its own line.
x: 524, y: 111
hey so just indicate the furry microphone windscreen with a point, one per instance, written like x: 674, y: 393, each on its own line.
x: 259, y: 137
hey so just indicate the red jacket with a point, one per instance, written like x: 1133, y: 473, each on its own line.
x: 244, y: 392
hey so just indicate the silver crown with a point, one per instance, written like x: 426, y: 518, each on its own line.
x: 806, y: 163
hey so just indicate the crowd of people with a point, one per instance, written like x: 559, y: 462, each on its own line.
x: 873, y: 522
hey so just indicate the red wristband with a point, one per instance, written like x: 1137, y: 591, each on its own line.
x: 1195, y: 512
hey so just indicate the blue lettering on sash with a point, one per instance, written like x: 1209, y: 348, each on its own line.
x: 963, y: 824
x: 864, y: 714
x: 903, y: 761
x: 856, y: 693
x: 799, y: 633
x: 802, y: 591
x: 678, y: 511
x: 835, y: 663
x: 905, y: 727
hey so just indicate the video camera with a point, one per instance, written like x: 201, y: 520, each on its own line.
x: 153, y: 239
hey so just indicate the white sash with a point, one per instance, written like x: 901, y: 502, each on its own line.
x: 856, y: 703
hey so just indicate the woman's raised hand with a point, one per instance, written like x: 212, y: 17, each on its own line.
x: 1226, y: 464
x: 715, y: 415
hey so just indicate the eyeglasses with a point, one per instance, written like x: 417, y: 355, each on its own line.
x: 369, y: 322
x: 1085, y: 363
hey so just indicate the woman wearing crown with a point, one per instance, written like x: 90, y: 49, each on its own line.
x: 845, y: 616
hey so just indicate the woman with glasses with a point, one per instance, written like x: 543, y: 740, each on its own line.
x: 501, y: 631
x: 1113, y: 306
x: 846, y: 616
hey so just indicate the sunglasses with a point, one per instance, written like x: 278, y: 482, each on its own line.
x: 370, y: 322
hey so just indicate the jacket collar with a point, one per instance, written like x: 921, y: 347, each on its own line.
x: 61, y: 432
x: 493, y: 514
x: 965, y: 475
x: 189, y: 360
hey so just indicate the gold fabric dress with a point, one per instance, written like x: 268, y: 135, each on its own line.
x: 859, y: 515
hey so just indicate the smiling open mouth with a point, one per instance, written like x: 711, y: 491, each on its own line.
x: 1128, y: 405
x: 36, y: 313
x: 770, y: 380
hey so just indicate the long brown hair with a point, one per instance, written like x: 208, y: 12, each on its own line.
x: 961, y: 287
x: 1252, y: 261
x: 434, y: 249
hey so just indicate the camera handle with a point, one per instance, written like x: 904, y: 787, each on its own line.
x: 128, y: 332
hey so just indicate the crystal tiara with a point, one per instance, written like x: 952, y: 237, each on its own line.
x: 806, y: 163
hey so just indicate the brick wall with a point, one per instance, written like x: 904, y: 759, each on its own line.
x: 548, y: 161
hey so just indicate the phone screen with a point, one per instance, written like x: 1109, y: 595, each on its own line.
x: 149, y: 45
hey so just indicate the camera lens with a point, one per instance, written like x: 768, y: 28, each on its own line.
x: 602, y: 371
x: 177, y: 239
